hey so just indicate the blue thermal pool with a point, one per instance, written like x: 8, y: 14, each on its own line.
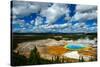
x: 75, y: 46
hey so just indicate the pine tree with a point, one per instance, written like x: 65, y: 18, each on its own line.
x: 52, y: 61
x: 57, y: 59
x: 34, y: 56
x: 63, y: 60
x: 81, y: 59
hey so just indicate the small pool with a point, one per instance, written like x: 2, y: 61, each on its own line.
x: 75, y: 46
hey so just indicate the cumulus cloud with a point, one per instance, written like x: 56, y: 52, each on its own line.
x: 80, y: 27
x: 22, y: 8
x: 84, y: 16
x: 38, y: 21
x: 19, y: 22
x: 85, y: 12
x: 21, y: 26
x: 94, y: 24
x: 32, y: 22
x: 67, y: 16
x: 62, y: 28
x: 59, y: 26
x: 85, y: 8
x: 51, y: 13
x: 54, y: 12
x: 94, y: 28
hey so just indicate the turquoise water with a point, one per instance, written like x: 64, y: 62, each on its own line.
x: 75, y: 46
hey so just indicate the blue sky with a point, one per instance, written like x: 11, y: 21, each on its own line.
x: 39, y: 17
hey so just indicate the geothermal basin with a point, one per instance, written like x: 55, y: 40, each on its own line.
x: 75, y: 46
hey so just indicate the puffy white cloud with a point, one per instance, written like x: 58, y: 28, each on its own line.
x: 38, y: 21
x: 93, y: 29
x: 85, y: 8
x: 52, y: 28
x: 23, y: 8
x: 59, y: 26
x: 80, y: 27
x: 84, y: 16
x: 20, y: 22
x: 21, y: 26
x: 85, y: 12
x: 54, y: 12
x: 67, y: 16
x: 32, y: 22
x: 94, y: 24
